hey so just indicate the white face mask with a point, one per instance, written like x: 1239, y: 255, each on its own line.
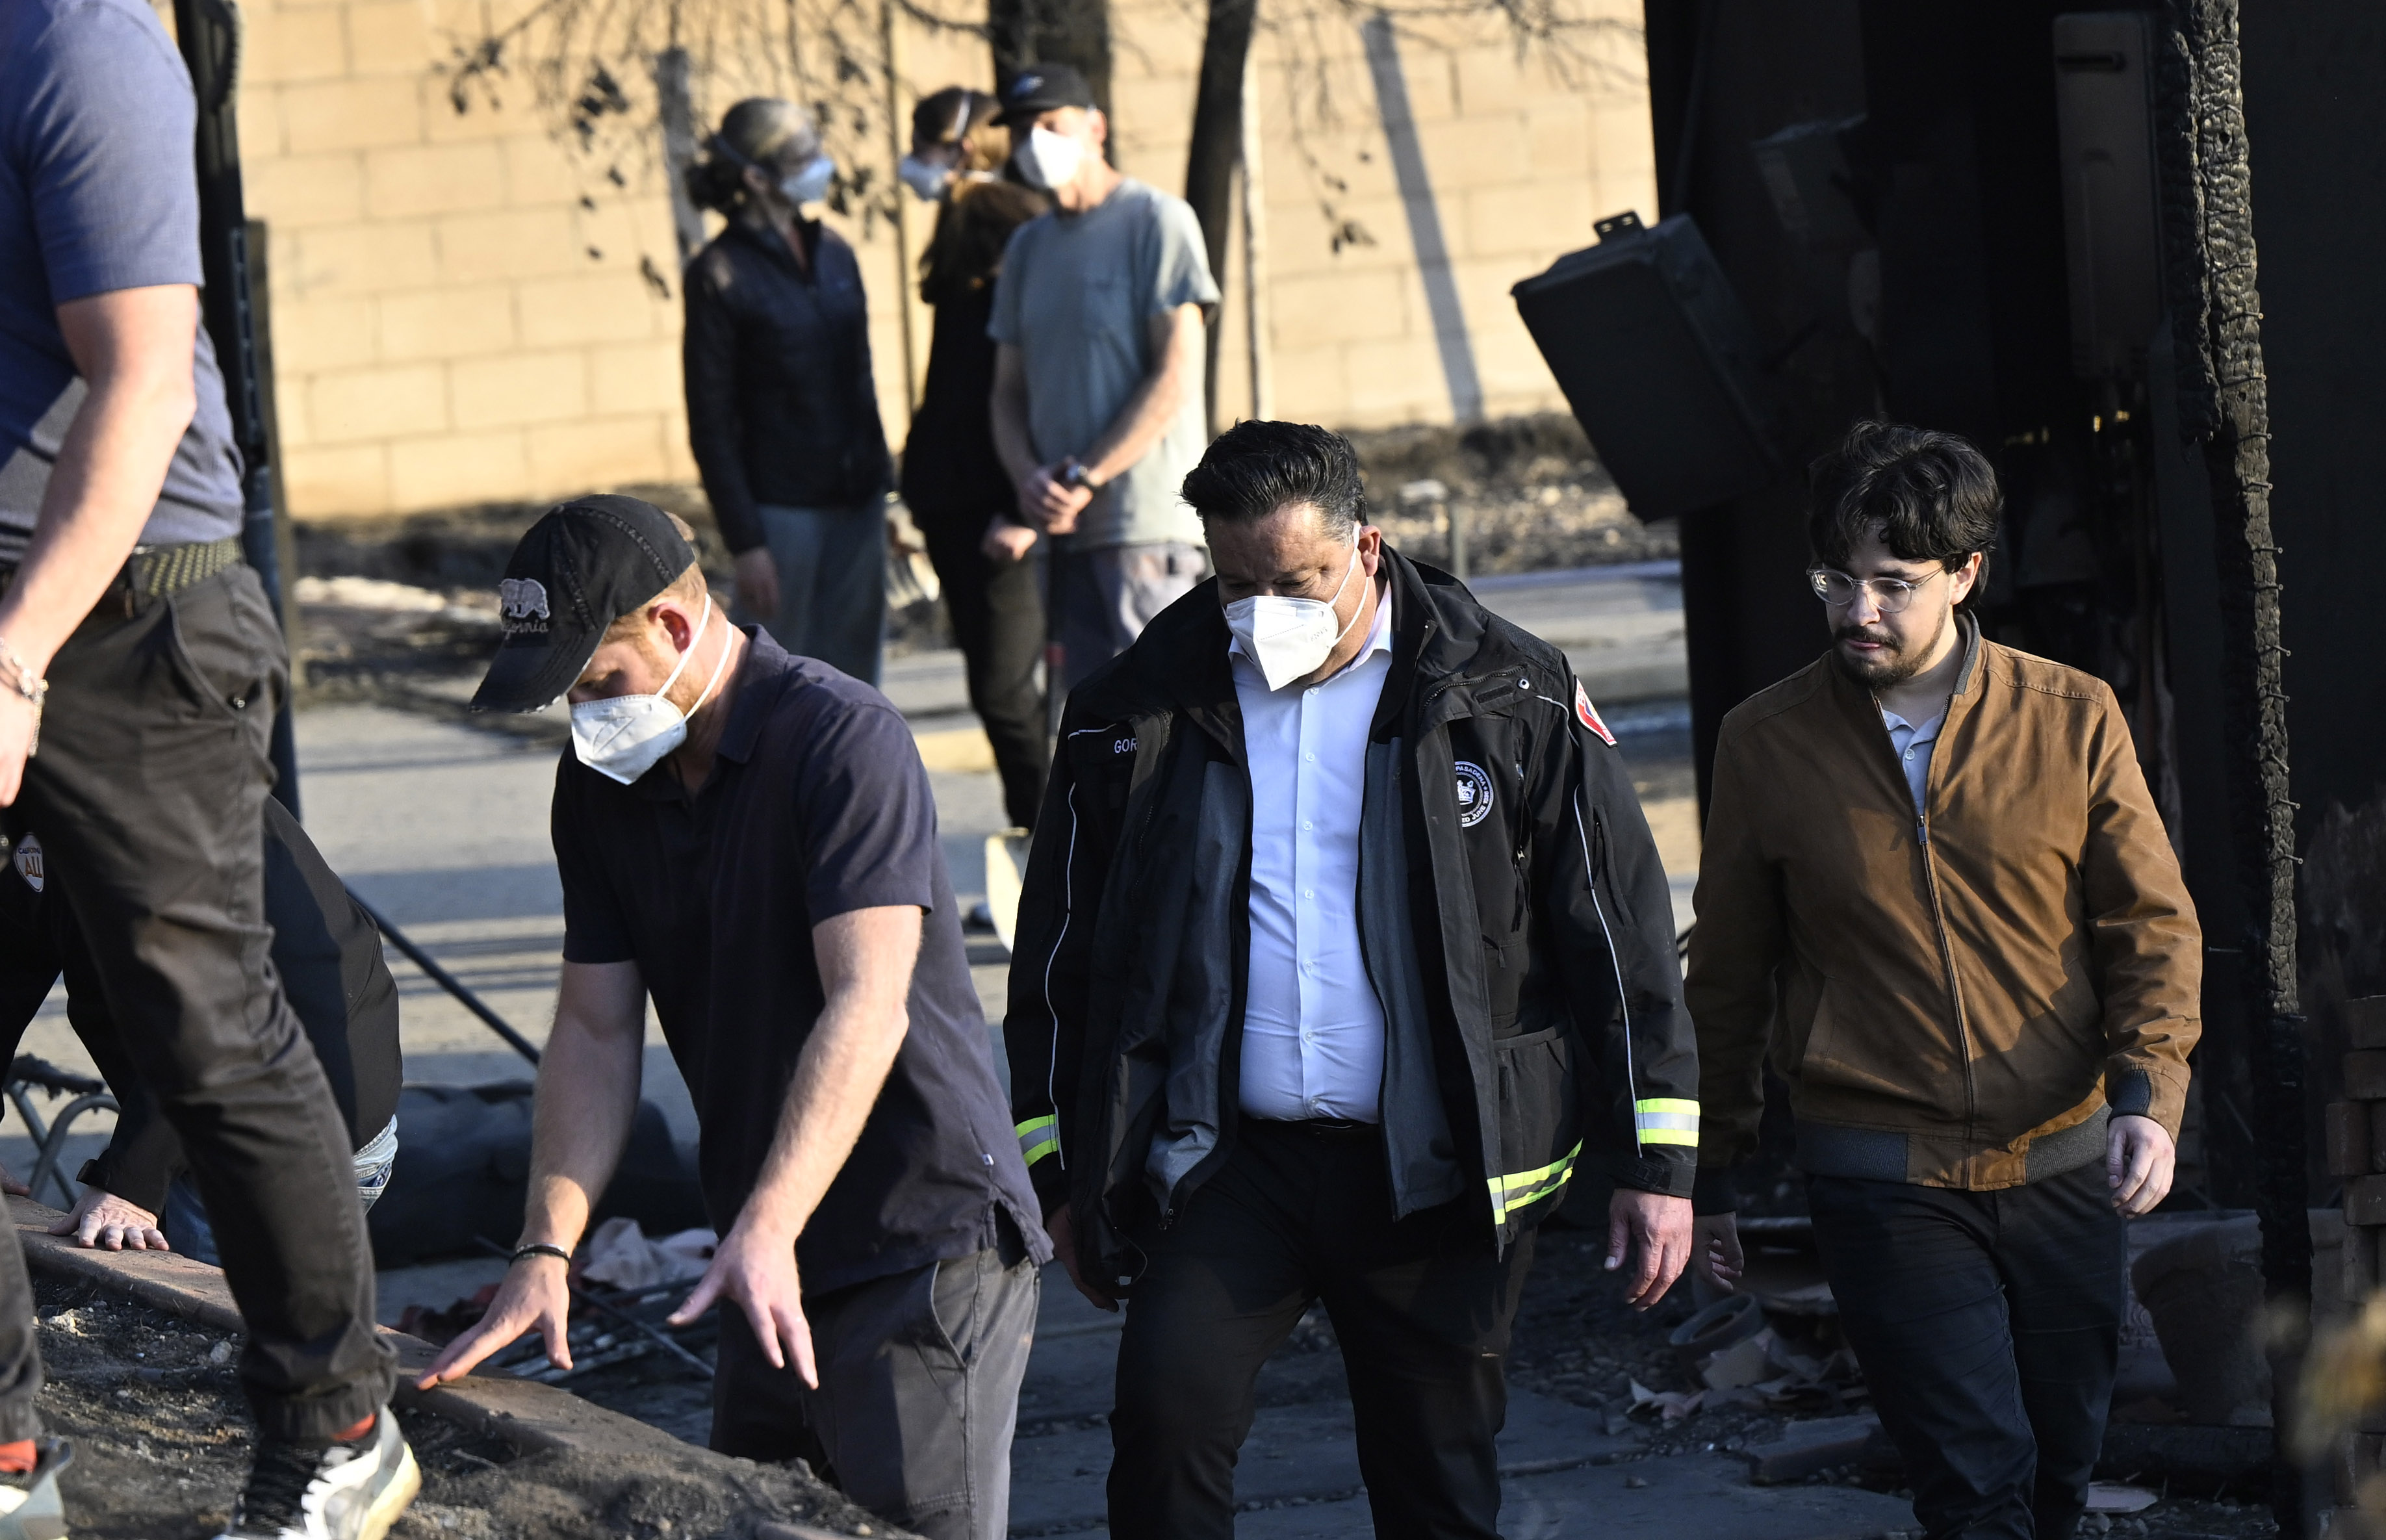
x: 1290, y: 638
x: 1049, y: 161
x: 628, y: 736
x: 925, y: 177
x: 810, y: 184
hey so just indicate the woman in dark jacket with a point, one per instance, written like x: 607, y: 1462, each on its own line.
x: 781, y: 411
x: 960, y: 495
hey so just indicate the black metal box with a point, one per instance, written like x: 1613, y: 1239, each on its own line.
x: 1659, y: 362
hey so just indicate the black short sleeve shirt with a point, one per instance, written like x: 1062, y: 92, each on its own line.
x: 817, y: 806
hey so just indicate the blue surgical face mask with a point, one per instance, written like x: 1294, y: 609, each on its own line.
x: 810, y: 184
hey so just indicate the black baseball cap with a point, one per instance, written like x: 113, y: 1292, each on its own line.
x: 582, y: 567
x: 1041, y: 87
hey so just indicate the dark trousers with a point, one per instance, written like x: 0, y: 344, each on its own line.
x: 918, y: 1398
x: 1422, y: 1308
x: 149, y: 794
x: 1988, y: 1325
x: 997, y: 619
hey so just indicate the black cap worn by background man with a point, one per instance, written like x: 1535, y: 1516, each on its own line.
x: 1039, y: 89
x: 582, y: 567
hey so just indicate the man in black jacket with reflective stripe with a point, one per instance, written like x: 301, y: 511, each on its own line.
x: 1343, y: 943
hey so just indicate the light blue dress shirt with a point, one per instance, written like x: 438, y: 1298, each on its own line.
x: 1312, y: 1028
x: 1914, y: 745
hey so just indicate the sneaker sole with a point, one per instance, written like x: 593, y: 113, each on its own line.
x: 395, y: 1499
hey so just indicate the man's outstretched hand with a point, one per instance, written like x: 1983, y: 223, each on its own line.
x: 1651, y: 1233
x: 533, y: 1294
x: 101, y: 1220
x: 755, y: 1269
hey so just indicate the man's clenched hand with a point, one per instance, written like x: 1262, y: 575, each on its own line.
x: 1654, y: 1231
x: 2140, y: 1160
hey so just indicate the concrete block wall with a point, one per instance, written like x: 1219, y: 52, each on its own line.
x: 466, y: 311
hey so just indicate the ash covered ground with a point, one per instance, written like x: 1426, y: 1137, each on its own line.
x: 162, y: 1442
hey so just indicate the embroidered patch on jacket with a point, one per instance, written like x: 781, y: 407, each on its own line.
x: 28, y: 861
x: 1474, y: 795
x: 1589, y: 714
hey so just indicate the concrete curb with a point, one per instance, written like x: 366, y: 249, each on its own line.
x: 527, y: 1415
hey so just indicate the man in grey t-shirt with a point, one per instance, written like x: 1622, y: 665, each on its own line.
x: 1097, y: 382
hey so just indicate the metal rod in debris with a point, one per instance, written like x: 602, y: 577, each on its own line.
x: 446, y: 980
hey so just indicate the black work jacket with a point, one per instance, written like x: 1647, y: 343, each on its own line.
x: 781, y: 407
x: 1514, y: 913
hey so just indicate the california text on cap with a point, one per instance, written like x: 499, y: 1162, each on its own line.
x: 582, y: 566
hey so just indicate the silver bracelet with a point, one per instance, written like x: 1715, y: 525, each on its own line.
x: 26, y: 683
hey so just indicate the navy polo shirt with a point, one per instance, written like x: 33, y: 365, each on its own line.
x: 817, y: 806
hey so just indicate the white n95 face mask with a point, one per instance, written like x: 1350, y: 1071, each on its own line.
x: 1290, y: 638
x: 626, y: 736
x: 810, y: 184
x: 1049, y: 160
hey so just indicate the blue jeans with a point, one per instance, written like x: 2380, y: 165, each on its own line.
x: 184, y: 1220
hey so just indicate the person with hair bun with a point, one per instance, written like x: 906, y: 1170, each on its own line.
x: 953, y: 481
x: 782, y: 408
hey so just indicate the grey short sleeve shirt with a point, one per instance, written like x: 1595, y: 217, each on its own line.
x: 1076, y: 297
x: 98, y: 194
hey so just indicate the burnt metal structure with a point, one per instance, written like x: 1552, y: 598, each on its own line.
x: 2036, y: 224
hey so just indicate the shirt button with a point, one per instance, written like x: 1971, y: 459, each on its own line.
x: 1306, y: 824
x: 1909, y: 754
x: 1309, y: 892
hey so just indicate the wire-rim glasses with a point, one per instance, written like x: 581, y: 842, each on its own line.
x: 1889, y: 595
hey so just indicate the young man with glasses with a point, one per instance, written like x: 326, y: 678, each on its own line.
x: 1935, y: 886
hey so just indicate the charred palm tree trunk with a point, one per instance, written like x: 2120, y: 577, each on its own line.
x: 2224, y: 401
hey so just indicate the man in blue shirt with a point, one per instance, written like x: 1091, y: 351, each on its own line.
x: 140, y: 670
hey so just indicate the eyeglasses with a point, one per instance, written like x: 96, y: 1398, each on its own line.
x: 1889, y: 595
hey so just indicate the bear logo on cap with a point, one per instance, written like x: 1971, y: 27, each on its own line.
x: 523, y: 601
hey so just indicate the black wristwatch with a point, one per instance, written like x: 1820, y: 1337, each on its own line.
x: 1077, y: 475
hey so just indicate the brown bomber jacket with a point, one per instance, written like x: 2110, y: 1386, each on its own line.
x: 1962, y: 996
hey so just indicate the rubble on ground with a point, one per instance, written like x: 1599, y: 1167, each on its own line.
x: 162, y: 1442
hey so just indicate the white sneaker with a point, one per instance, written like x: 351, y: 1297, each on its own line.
x: 348, y: 1492
x: 30, y: 1508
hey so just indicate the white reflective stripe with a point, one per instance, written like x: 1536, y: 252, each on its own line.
x: 1686, y: 1121
x: 1590, y: 881
x: 1068, y: 903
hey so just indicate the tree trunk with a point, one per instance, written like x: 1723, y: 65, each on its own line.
x: 2224, y: 400
x: 1066, y: 31
x: 1217, y: 149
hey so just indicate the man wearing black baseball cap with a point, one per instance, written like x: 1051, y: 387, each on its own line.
x: 879, y: 1239
x: 1098, y: 363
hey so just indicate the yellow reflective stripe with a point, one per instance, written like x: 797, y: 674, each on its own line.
x: 1666, y: 1120
x: 1038, y: 1137
x: 1526, y: 1188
